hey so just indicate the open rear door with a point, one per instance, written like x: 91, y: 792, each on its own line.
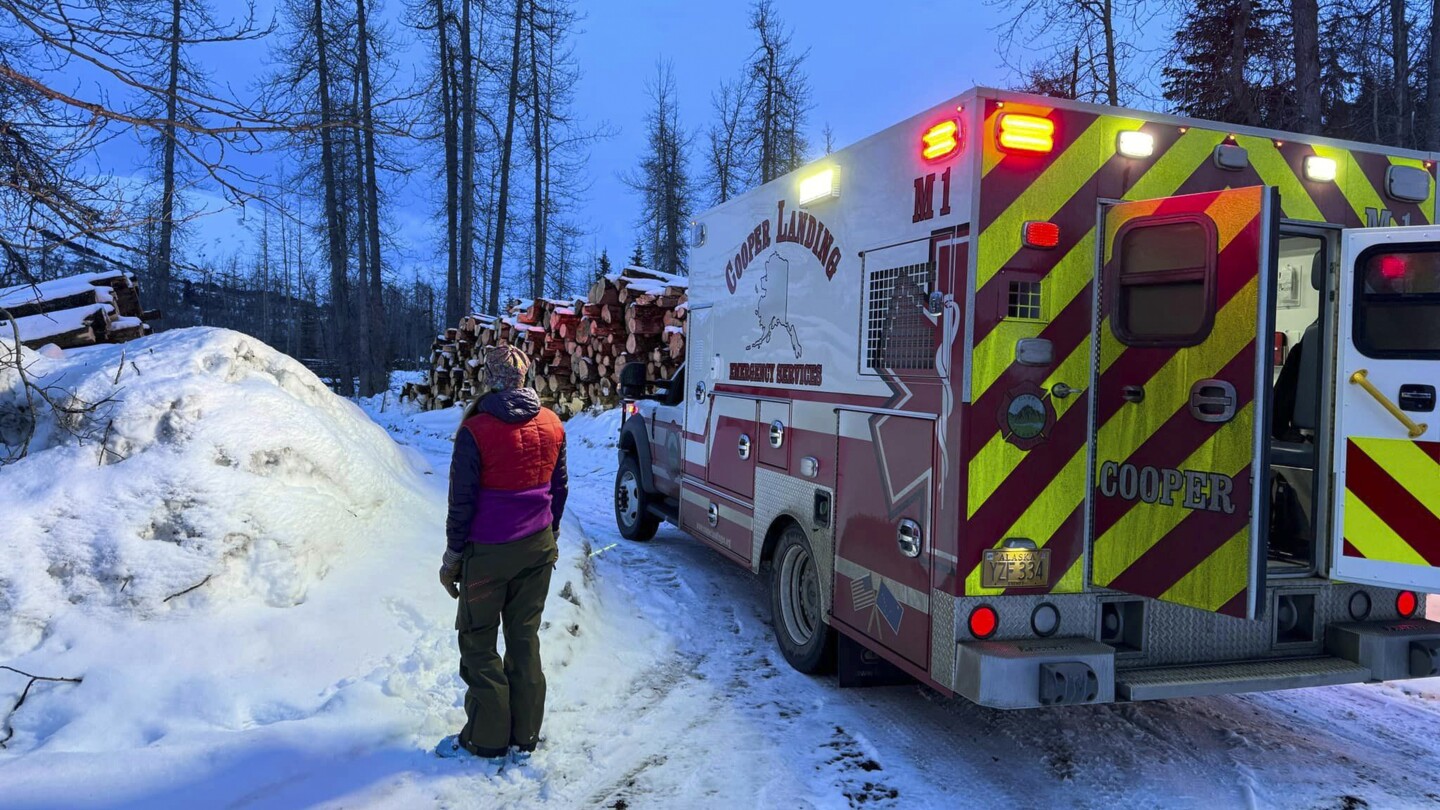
x: 1387, y: 433
x: 1183, y: 328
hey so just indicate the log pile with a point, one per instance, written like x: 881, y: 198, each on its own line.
x: 80, y: 310
x: 577, y: 348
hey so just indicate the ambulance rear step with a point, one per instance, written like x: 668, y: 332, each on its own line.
x: 1246, y: 676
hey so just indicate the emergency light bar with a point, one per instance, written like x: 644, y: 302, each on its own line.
x: 1026, y: 133
x: 822, y: 185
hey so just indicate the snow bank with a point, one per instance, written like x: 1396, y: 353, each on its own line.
x: 211, y: 458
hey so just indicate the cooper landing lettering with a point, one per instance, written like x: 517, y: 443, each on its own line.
x: 1191, y: 489
x: 803, y: 229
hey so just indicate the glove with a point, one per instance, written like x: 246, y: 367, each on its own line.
x: 450, y: 574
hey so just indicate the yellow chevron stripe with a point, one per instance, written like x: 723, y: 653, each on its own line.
x: 1063, y: 179
x: 1233, y: 210
x: 1216, y: 580
x: 999, y: 458
x: 1275, y: 170
x: 1410, y: 466
x: 1042, y: 518
x: 1427, y: 208
x: 1373, y: 537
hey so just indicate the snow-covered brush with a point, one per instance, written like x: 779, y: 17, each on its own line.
x: 28, y: 405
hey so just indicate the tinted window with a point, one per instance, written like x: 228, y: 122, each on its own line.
x: 1397, y: 302
x: 1163, y: 282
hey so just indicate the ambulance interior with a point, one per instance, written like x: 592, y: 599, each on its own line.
x: 1300, y: 327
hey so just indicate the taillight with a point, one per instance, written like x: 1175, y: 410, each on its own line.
x: 984, y: 621
x: 631, y: 409
x: 1406, y: 604
x: 1036, y: 234
x: 941, y: 140
x: 1026, y: 133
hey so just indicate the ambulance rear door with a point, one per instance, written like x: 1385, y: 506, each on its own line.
x: 1387, y: 432
x: 1183, y: 334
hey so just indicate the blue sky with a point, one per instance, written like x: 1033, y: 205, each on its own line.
x: 870, y: 65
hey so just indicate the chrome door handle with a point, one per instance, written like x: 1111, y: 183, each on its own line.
x: 1060, y: 390
x: 712, y: 514
x: 910, y: 537
x: 744, y: 446
x: 1212, y: 401
x: 777, y: 434
x: 1133, y: 393
x: 700, y: 391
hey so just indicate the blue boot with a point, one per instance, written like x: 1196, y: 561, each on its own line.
x: 450, y: 748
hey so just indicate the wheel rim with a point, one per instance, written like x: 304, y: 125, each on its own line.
x: 799, y: 595
x: 627, y: 498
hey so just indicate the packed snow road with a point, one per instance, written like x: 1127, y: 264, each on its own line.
x: 666, y: 689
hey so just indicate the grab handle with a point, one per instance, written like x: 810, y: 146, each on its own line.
x: 1361, y: 379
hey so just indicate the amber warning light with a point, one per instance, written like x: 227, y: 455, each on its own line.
x: 941, y: 140
x: 1026, y: 133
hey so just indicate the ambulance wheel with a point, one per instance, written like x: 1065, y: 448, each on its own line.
x: 632, y: 505
x: 796, y: 609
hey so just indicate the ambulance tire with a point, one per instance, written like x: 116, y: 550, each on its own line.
x: 796, y: 609
x: 632, y: 503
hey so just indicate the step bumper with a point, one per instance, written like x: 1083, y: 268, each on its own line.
x: 1159, y: 683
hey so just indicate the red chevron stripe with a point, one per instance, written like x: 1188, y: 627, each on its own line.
x: 1237, y: 604
x: 1187, y: 545
x: 1392, y: 503
x: 1374, y: 167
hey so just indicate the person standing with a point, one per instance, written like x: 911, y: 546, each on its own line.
x: 508, y: 486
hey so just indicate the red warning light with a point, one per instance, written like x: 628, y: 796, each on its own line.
x: 941, y: 140
x: 1037, y: 234
x: 1406, y: 603
x: 1026, y: 133
x: 984, y: 621
x: 1392, y: 267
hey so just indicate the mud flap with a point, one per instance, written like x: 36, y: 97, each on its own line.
x: 858, y: 667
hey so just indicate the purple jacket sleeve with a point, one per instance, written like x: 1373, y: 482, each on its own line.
x: 559, y: 488
x: 464, y: 489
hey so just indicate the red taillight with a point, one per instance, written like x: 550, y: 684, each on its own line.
x: 941, y: 140
x: 631, y: 409
x: 984, y: 621
x: 1406, y: 603
x: 1026, y: 133
x: 1037, y: 234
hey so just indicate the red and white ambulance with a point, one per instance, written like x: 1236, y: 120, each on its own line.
x: 1048, y: 403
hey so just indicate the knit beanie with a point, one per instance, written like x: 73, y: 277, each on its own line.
x: 506, y: 368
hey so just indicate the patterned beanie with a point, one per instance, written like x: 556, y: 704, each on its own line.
x: 505, y: 368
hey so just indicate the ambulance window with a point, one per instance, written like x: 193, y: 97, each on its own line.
x: 1163, y: 287
x: 1397, y: 302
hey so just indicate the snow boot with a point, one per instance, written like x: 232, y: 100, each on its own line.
x: 450, y: 748
x: 520, y: 756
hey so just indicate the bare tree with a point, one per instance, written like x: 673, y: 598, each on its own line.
x: 1305, y: 22
x: 728, y: 151
x: 661, y: 179
x: 1092, y: 33
x: 1432, y: 80
x: 782, y: 94
x: 506, y: 148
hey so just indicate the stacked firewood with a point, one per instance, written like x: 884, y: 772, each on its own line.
x: 577, y: 347
x: 80, y: 310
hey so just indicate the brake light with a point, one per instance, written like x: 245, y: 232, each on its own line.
x: 1037, y: 234
x: 1406, y: 604
x: 941, y: 140
x: 1026, y: 133
x: 984, y: 621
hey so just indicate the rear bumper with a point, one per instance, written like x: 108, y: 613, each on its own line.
x: 1073, y: 671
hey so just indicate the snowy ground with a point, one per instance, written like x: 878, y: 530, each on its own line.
x: 665, y: 686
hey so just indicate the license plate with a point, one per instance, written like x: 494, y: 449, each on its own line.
x: 1015, y: 568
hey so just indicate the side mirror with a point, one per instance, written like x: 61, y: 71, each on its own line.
x: 633, y: 381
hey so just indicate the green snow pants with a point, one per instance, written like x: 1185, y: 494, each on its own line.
x: 503, y: 587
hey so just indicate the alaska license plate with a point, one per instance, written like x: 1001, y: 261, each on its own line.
x: 1015, y: 568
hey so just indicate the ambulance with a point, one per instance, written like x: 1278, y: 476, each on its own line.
x: 1047, y: 403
